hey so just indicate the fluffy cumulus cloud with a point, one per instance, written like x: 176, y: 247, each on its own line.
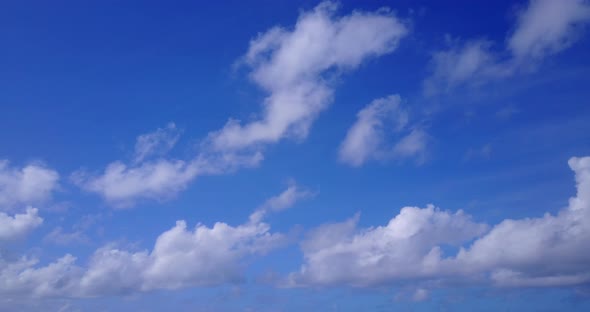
x: 22, y: 277
x: 546, y: 251
x: 19, y: 225
x: 377, y: 125
x: 122, y: 185
x: 295, y: 67
x: 30, y: 184
x: 20, y: 187
x: 405, y: 248
x: 544, y: 27
x: 181, y: 257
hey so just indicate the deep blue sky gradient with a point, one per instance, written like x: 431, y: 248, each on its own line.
x: 79, y: 81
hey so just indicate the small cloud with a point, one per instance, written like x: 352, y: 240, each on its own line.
x: 377, y: 126
x: 156, y: 143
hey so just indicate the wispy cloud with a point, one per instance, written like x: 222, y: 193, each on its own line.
x: 543, y: 28
x: 377, y: 127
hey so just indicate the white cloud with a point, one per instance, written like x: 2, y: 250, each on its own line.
x: 19, y: 225
x: 472, y: 62
x: 406, y: 248
x: 547, y: 27
x: 294, y: 67
x: 544, y: 28
x: 291, y: 65
x: 21, y: 277
x: 27, y: 185
x: 285, y: 200
x: 376, y: 126
x: 412, y: 145
x: 122, y: 185
x: 156, y: 143
x: 547, y: 251
x: 181, y: 257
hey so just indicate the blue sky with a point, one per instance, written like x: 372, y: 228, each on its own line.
x: 288, y: 156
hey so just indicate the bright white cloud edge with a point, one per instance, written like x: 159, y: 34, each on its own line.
x: 290, y: 65
x: 30, y: 184
x: 533, y: 252
x: 181, y: 257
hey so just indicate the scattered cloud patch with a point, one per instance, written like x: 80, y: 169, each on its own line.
x: 295, y: 67
x: 535, y: 252
x: 181, y: 257
x: 16, y: 227
x: 27, y: 185
x: 285, y: 200
x: 405, y: 248
x: 122, y: 186
x: 369, y: 138
x: 472, y: 62
x: 547, y: 27
x: 156, y: 143
x: 412, y: 145
x: 544, y: 28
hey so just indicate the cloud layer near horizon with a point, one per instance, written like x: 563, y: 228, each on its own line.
x: 544, y: 251
x: 297, y: 68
